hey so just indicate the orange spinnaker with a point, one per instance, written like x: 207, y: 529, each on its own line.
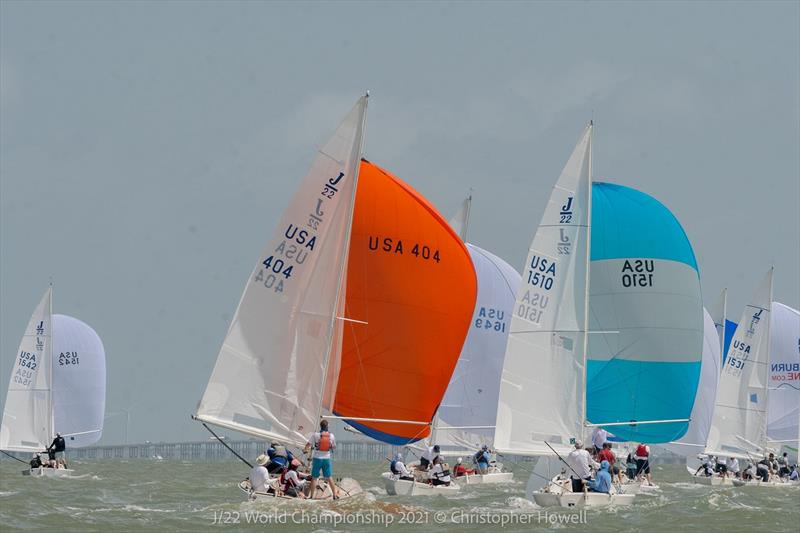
x: 411, y: 279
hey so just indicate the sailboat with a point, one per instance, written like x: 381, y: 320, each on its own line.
x: 465, y: 420
x: 410, y: 294
x: 334, y: 323
x: 57, y: 386
x: 607, y: 327
x: 750, y: 383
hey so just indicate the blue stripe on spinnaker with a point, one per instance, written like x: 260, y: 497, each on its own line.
x: 730, y: 329
x: 627, y: 223
x: 379, y: 435
x: 623, y: 390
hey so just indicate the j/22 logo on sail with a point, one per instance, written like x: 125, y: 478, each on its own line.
x: 566, y: 212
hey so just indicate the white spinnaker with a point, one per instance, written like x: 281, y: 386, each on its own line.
x: 470, y: 402
x: 270, y: 375
x: 542, y: 391
x: 784, y: 382
x: 79, y: 381
x: 694, y: 440
x: 739, y: 427
x: 27, y: 416
x: 460, y: 220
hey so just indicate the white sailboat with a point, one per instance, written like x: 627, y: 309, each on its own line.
x: 607, y: 328
x: 739, y: 426
x: 542, y: 397
x: 464, y: 421
x: 57, y: 386
x: 275, y: 374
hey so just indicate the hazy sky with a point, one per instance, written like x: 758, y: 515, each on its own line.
x: 147, y: 149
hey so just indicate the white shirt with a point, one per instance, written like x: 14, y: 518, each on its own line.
x: 400, y: 466
x: 429, y: 454
x: 722, y: 461
x: 580, y: 460
x: 259, y: 478
x: 734, y: 466
x: 313, y: 438
x: 599, y: 437
x: 437, y: 471
x: 291, y: 476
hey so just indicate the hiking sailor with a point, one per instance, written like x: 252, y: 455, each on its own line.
x: 460, y: 470
x: 439, y: 475
x: 279, y: 458
x: 259, y: 477
x: 291, y: 482
x: 398, y: 468
x: 57, y: 446
x: 428, y: 456
x: 322, y: 442
x: 481, y: 460
x: 580, y: 462
x: 705, y: 466
x: 602, y: 482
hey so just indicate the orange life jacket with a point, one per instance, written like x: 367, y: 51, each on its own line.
x: 324, y: 442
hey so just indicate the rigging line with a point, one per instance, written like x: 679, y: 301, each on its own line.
x: 245, y: 461
x: 14, y: 457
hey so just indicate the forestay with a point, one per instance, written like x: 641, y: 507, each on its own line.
x: 784, y: 376
x: 27, y: 416
x: 411, y: 291
x: 79, y: 381
x: 270, y: 374
x: 645, y: 318
x: 740, y: 421
x: 470, y: 402
x: 542, y: 388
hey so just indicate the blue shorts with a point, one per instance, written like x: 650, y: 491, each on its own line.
x: 321, y: 465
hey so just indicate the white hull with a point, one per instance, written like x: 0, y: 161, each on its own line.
x: 638, y: 487
x: 403, y: 487
x: 771, y: 483
x: 347, y: 487
x: 492, y: 477
x: 558, y: 493
x: 48, y: 472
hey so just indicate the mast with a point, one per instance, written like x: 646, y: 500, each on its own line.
x: 343, y: 267
x: 49, y: 356
x: 466, y: 215
x: 586, y: 285
x: 769, y: 354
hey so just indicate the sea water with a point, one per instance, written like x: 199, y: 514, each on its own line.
x: 176, y: 495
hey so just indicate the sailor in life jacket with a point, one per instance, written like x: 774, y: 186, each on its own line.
x: 398, y: 468
x: 643, y: 460
x: 291, y: 482
x: 322, y: 443
x: 428, y: 457
x: 439, y: 474
x: 481, y: 459
x: 279, y: 458
x: 460, y: 470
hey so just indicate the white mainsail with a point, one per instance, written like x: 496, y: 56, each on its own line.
x: 28, y: 415
x: 784, y: 376
x: 739, y: 426
x: 543, y: 387
x: 79, y: 381
x: 271, y: 375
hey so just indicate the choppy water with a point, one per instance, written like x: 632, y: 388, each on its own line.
x: 149, y: 495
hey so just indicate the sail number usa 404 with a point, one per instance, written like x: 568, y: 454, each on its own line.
x: 398, y: 247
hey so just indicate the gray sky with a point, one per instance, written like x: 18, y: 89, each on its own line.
x: 147, y: 149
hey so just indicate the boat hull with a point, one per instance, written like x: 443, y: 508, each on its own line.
x: 48, y: 472
x: 403, y: 487
x: 638, y: 487
x: 348, y: 487
x: 558, y: 493
x: 769, y: 484
x: 492, y: 477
